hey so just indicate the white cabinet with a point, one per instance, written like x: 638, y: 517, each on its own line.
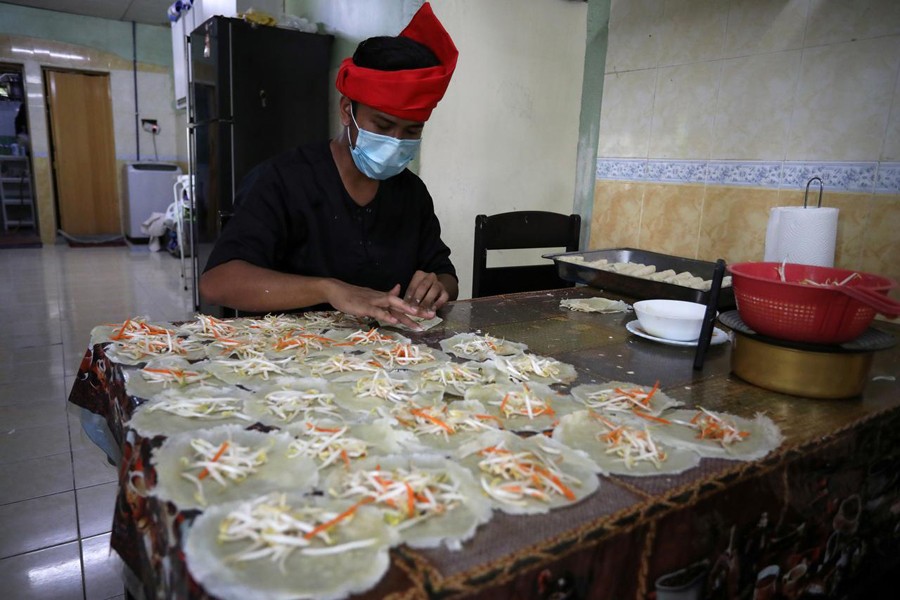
x: 16, y: 195
x: 179, y: 57
x: 199, y: 13
x: 181, y: 29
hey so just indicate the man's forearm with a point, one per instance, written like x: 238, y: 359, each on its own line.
x: 240, y: 285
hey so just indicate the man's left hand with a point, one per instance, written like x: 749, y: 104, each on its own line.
x: 427, y: 292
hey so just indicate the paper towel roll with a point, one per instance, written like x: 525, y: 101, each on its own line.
x: 806, y: 236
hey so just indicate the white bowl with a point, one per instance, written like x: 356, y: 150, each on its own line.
x: 671, y: 319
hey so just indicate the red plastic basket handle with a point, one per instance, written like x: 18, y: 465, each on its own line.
x: 881, y: 303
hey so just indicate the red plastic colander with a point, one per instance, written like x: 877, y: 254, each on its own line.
x: 797, y: 310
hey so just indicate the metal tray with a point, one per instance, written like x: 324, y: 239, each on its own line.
x: 638, y: 287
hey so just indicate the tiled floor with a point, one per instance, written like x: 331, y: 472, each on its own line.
x: 56, y: 487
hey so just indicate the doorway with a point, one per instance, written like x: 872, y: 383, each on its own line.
x: 82, y: 154
x: 18, y: 214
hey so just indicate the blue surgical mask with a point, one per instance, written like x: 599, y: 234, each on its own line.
x: 381, y: 156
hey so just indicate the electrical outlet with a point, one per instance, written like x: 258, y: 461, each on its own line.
x: 150, y: 125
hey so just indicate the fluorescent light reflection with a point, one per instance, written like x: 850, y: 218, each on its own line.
x: 60, y: 572
x: 42, y: 52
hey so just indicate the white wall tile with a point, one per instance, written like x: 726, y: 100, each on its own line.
x: 758, y: 26
x: 835, y: 21
x: 633, y: 41
x: 891, y: 151
x: 692, y: 30
x: 753, y: 114
x: 126, y: 146
x: 843, y: 100
x: 121, y: 89
x: 684, y: 111
x: 155, y: 101
x: 626, y: 114
x: 845, y: 106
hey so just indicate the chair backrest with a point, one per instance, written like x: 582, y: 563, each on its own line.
x: 521, y: 229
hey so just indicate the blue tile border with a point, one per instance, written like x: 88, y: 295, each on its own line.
x: 887, y: 179
x: 622, y: 170
x: 881, y: 178
x: 759, y: 174
x: 845, y: 177
x: 678, y: 171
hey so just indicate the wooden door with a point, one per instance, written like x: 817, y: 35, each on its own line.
x: 84, y: 157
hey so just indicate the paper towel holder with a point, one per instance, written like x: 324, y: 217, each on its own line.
x: 821, y: 187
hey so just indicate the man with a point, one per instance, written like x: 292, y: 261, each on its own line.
x: 344, y: 223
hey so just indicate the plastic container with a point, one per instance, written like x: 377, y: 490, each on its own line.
x: 803, y: 312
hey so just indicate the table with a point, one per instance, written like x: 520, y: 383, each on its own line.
x: 818, y: 517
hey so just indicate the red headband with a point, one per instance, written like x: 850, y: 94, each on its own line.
x: 411, y: 93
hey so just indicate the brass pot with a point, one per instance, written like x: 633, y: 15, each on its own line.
x: 797, y: 372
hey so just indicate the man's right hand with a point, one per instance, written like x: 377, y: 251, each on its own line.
x: 243, y: 286
x: 387, y: 307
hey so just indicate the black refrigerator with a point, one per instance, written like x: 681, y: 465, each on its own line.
x: 255, y: 91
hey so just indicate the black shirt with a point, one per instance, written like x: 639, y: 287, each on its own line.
x: 293, y: 215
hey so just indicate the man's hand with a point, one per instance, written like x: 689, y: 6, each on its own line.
x: 426, y: 292
x: 241, y: 285
x: 364, y: 302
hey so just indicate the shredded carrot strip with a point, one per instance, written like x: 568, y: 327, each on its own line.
x: 425, y: 415
x: 569, y: 494
x: 323, y: 429
x: 312, y: 336
x: 218, y: 455
x: 345, y: 458
x: 650, y: 417
x: 646, y: 401
x: 410, y: 500
x: 175, y: 372
x: 121, y: 333
x: 331, y: 523
x: 225, y: 339
x: 487, y: 417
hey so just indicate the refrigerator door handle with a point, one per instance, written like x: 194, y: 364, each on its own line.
x: 224, y: 217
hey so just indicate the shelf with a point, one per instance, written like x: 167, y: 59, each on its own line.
x: 16, y: 196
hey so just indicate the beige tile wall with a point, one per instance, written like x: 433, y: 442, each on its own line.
x: 710, y: 222
x: 766, y: 82
x: 797, y: 80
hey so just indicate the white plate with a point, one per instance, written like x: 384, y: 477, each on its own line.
x: 718, y: 336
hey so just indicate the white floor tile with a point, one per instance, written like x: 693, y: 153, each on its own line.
x: 102, y: 569
x: 95, y: 508
x: 50, y: 299
x: 37, y: 523
x: 48, y: 573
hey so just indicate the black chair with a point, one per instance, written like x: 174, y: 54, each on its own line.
x: 515, y: 230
